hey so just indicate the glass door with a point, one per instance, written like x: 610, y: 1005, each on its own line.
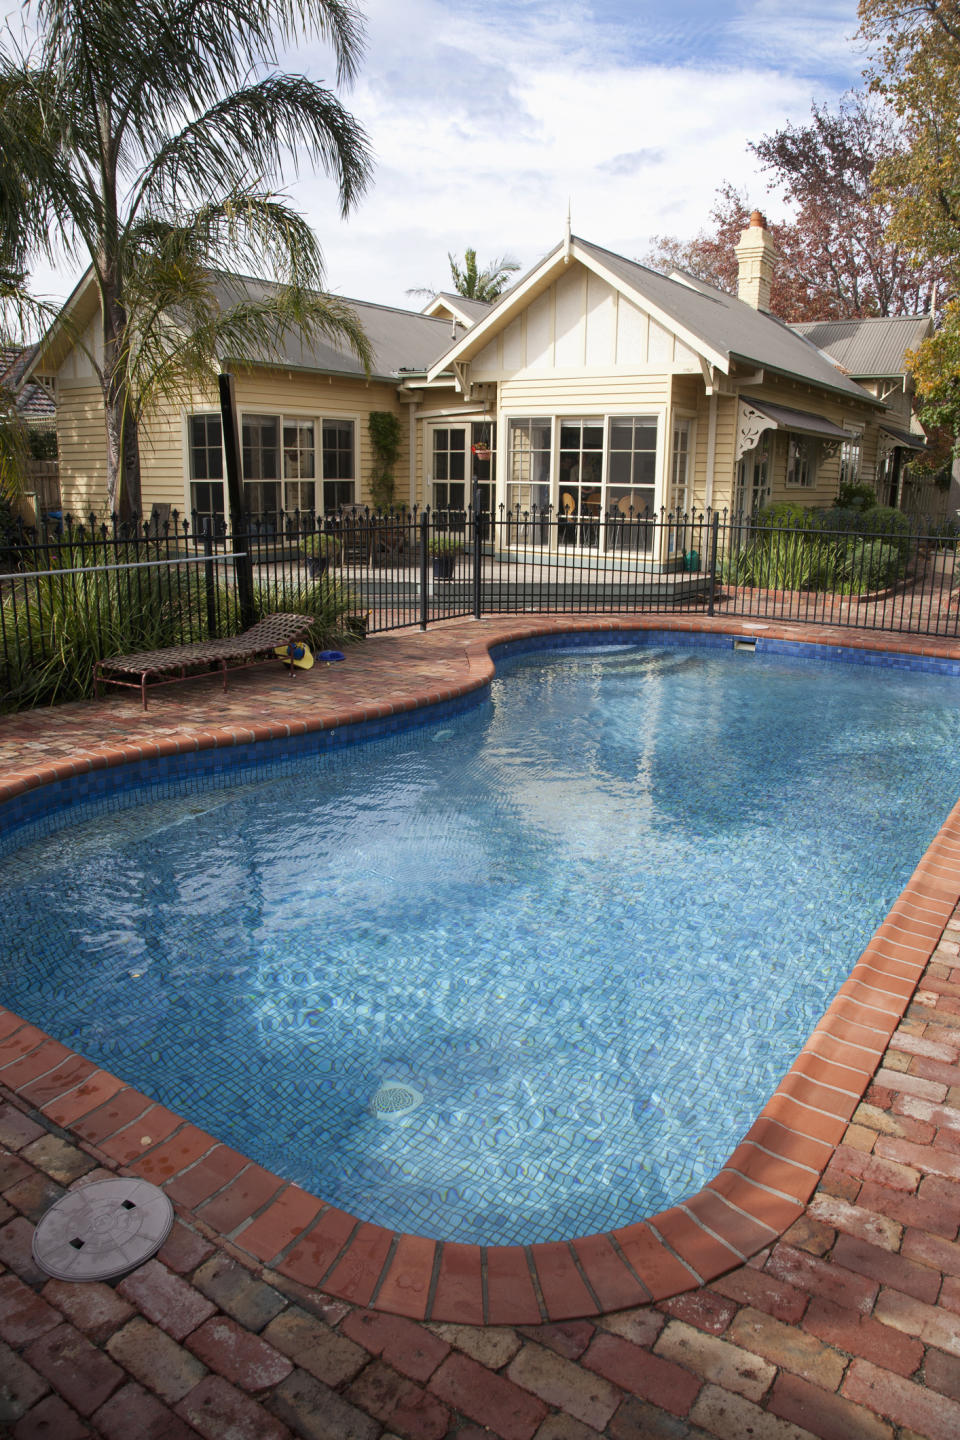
x: 449, y: 475
x: 580, y: 482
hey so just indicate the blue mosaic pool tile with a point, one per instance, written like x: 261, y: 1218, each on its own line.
x: 526, y: 1074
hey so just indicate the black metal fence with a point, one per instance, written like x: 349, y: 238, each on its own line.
x: 72, y: 593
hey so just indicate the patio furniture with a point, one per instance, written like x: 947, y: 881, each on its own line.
x: 234, y: 652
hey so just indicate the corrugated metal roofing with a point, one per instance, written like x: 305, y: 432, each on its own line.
x: 729, y: 326
x: 477, y: 308
x: 871, y: 348
x: 400, y: 339
x: 802, y: 421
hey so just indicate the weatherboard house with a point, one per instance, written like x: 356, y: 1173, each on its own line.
x: 593, y: 385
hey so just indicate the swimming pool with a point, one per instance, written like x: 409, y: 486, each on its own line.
x: 521, y: 1063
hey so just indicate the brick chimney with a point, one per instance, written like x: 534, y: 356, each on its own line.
x: 755, y: 256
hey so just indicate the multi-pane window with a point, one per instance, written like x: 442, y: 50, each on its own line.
x: 680, y: 468
x: 631, y: 481
x: 299, y: 467
x: 801, y: 461
x: 580, y: 476
x: 632, y: 473
x: 528, y: 484
x: 206, y: 472
x: 449, y: 467
x: 260, y: 436
x: 339, y: 464
x: 850, y: 459
x: 753, y: 478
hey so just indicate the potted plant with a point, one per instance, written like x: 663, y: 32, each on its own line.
x: 320, y: 551
x: 444, y: 549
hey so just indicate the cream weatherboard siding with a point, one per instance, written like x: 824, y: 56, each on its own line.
x: 82, y: 442
x: 300, y: 395
x: 848, y: 415
x: 164, y: 449
x: 582, y: 323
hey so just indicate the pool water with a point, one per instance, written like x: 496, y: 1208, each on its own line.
x: 524, y: 974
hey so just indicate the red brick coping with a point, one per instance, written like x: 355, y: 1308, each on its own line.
x: 758, y: 1194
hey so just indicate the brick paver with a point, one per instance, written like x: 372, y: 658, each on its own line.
x: 846, y: 1327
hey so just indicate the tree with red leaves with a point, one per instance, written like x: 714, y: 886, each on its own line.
x: 835, y: 257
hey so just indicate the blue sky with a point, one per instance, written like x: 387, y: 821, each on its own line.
x: 487, y: 116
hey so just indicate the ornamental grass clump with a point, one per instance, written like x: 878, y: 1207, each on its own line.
x: 841, y: 551
x: 55, y: 627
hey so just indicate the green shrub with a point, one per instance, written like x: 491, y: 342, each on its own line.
x: 786, y: 514
x: 316, y: 544
x: 844, y: 552
x: 445, y: 545
x: 56, y: 627
x: 856, y: 497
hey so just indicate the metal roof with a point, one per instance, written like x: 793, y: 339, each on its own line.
x: 906, y: 438
x: 728, y: 325
x: 473, y: 308
x: 400, y: 339
x: 800, y: 421
x: 721, y: 327
x: 870, y: 348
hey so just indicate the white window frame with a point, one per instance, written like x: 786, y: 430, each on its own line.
x: 658, y: 412
x: 853, y: 442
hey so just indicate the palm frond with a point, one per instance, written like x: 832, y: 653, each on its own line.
x: 277, y: 121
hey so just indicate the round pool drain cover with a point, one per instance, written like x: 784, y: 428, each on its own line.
x: 102, y: 1230
x: 394, y: 1100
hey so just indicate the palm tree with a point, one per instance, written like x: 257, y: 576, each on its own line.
x: 148, y: 140
x: 475, y: 284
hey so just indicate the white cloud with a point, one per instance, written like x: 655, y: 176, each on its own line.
x: 486, y: 118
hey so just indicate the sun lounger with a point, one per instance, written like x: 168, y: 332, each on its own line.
x: 183, y: 662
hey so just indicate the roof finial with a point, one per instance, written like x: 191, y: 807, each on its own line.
x: 568, y: 238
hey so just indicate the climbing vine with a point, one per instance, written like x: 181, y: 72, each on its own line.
x: 385, y: 436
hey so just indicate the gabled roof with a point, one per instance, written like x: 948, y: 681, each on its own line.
x: 400, y: 339
x: 870, y: 349
x: 467, y: 311
x: 718, y: 327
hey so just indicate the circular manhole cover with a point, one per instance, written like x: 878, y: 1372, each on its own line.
x: 102, y: 1230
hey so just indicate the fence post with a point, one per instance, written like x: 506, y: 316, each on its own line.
x: 208, y: 579
x: 424, y: 529
x: 477, y: 556
x: 714, y: 537
x: 239, y: 522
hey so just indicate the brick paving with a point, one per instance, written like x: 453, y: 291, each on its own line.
x: 847, y: 1325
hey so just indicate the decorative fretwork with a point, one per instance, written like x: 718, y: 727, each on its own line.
x: 830, y: 449
x: 750, y: 426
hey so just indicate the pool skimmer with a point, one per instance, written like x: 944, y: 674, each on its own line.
x: 102, y: 1230
x: 395, y: 1099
